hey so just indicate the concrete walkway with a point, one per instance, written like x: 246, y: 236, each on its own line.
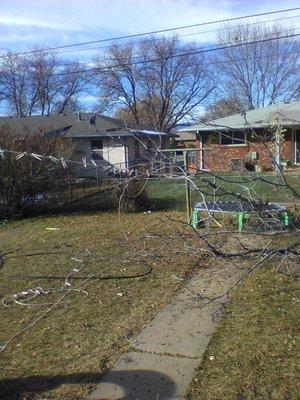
x: 164, y: 356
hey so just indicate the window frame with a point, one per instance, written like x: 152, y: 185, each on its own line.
x: 97, y: 153
x: 96, y: 148
x: 232, y: 132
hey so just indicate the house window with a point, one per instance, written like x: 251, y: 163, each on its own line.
x: 97, y: 144
x: 231, y: 138
x: 191, y: 157
x: 97, y: 149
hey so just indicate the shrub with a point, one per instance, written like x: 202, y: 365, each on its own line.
x: 132, y: 195
x: 28, y: 182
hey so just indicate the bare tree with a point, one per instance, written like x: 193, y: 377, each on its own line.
x: 41, y: 75
x: 14, y: 85
x: 37, y: 83
x: 154, y: 82
x: 72, y: 83
x: 222, y: 108
x: 145, y: 111
x: 262, y: 72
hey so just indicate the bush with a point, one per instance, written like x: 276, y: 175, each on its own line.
x: 132, y: 195
x: 28, y: 182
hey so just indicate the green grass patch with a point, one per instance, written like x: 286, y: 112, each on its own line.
x: 170, y: 193
x: 166, y: 194
x: 253, y: 355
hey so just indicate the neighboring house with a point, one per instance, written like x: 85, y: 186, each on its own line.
x: 105, y: 141
x: 186, y: 140
x: 246, y: 141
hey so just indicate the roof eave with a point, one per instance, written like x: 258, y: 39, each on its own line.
x: 240, y: 127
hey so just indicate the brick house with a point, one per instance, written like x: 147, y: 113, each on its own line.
x: 257, y: 140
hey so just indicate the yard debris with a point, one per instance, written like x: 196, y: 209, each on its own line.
x: 25, y: 297
x: 177, y: 277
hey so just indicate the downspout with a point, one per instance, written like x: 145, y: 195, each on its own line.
x: 200, y: 151
x: 126, y: 156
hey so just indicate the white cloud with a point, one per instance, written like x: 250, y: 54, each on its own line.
x: 57, y: 22
x: 25, y: 21
x: 89, y: 98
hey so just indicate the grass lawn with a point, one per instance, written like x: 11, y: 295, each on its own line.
x: 69, y: 349
x: 66, y: 352
x: 170, y: 194
x: 253, y: 355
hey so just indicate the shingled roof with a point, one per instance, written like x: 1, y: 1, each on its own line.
x: 81, y: 125
x: 288, y: 114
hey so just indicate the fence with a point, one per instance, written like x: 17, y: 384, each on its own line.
x: 169, y: 186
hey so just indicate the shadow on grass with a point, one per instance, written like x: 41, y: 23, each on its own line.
x: 136, y: 384
x: 103, y: 206
x: 159, y: 204
x: 158, y: 198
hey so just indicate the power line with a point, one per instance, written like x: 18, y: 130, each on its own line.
x: 185, y: 54
x: 211, y: 62
x: 211, y: 46
x: 179, y: 55
x: 175, y: 55
x: 180, y: 36
x: 160, y: 31
x: 254, y: 58
x: 201, y: 49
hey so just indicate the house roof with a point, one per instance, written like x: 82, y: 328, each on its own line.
x: 82, y: 125
x: 186, y: 136
x: 181, y: 134
x: 287, y: 114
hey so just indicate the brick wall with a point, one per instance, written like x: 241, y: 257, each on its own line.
x: 223, y: 157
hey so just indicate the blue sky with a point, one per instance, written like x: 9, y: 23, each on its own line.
x: 25, y: 23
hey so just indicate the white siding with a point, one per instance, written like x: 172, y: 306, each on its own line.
x: 121, y: 155
x: 115, y: 155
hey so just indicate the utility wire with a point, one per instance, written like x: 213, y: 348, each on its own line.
x: 201, y: 47
x: 177, y: 55
x: 220, y: 61
x: 180, y: 50
x: 160, y: 31
x: 209, y: 49
x: 158, y: 39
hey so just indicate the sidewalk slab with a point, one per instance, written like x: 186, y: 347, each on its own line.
x: 184, y: 327
x: 163, y: 358
x: 146, y: 376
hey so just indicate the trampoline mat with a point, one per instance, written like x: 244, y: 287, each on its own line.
x: 237, y: 207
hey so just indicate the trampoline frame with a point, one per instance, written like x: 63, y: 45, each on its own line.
x: 241, y: 215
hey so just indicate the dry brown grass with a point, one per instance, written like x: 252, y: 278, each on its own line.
x: 253, y: 355
x: 67, y: 351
